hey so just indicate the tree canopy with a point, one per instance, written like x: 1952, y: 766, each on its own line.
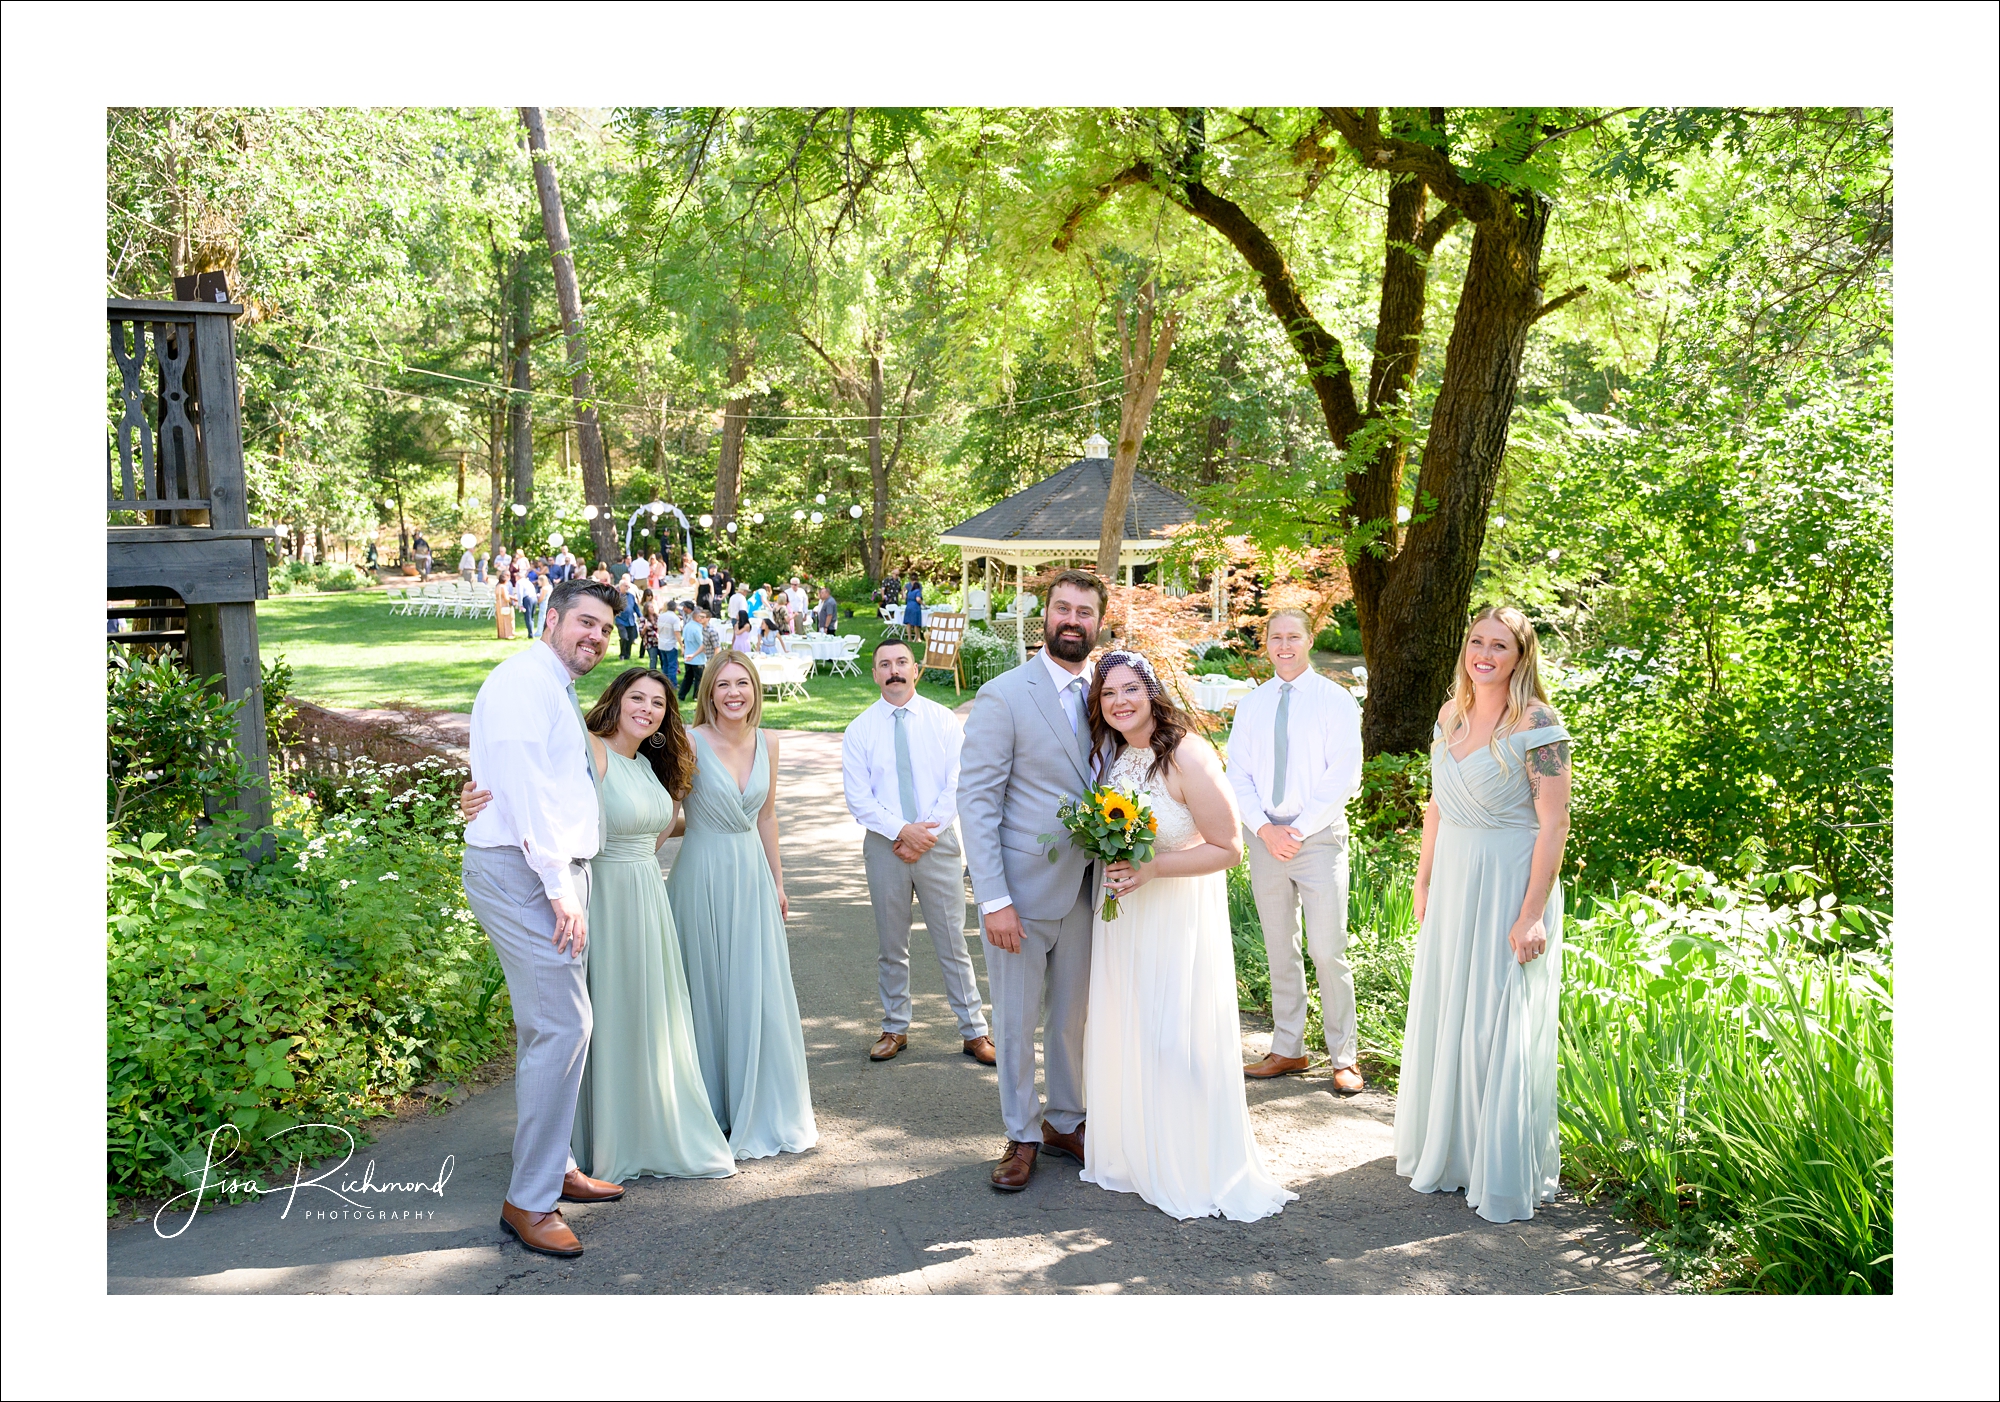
x: 1584, y: 359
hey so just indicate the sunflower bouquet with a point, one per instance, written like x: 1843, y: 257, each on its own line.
x: 1110, y: 826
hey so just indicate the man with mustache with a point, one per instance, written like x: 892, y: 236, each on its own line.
x: 1027, y: 748
x: 527, y: 878
x: 899, y: 769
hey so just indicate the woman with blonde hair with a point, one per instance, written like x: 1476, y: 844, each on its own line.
x: 1477, y: 1105
x: 728, y: 894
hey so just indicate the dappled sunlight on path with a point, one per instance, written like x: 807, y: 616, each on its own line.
x: 894, y: 1200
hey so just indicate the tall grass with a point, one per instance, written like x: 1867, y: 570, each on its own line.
x: 1726, y: 1071
x: 1726, y: 1063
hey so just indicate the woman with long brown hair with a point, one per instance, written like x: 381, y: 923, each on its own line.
x: 1477, y: 1105
x: 1162, y: 1058
x: 643, y: 1108
x: 728, y: 894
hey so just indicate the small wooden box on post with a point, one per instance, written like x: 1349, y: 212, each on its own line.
x: 178, y: 537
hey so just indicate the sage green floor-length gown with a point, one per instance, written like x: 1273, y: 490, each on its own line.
x: 746, y: 1013
x: 1476, y: 1107
x: 643, y: 1108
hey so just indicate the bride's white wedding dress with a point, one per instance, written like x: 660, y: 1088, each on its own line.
x: 1163, y: 1049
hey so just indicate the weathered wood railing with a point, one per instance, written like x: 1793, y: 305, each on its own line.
x: 178, y: 539
x: 176, y: 447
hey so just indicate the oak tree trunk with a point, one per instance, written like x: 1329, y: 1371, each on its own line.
x: 729, y: 463
x: 569, y: 302
x: 520, y: 403
x: 1418, y: 611
x: 1144, y: 355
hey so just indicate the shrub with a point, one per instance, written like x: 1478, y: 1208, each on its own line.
x: 1726, y: 1071
x: 171, y: 744
x: 1342, y: 632
x: 312, y: 988
x: 986, y: 656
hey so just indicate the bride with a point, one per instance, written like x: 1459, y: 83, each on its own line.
x: 1162, y: 1057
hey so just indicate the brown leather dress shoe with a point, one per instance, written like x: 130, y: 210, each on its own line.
x: 1057, y: 1142
x: 580, y: 1187
x: 1275, y: 1065
x: 980, y: 1049
x: 887, y: 1046
x: 1347, y: 1080
x: 545, y: 1232
x: 1010, y: 1175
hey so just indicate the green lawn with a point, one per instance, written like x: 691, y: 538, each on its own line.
x: 345, y: 650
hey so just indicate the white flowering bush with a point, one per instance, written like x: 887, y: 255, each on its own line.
x: 316, y: 986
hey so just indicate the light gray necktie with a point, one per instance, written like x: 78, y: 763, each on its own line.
x: 906, y: 778
x: 1077, y: 724
x: 1281, y: 746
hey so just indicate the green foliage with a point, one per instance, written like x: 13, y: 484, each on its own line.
x: 986, y: 656
x: 171, y: 742
x: 1716, y: 562
x: 1342, y: 633
x: 1727, y: 1070
x: 297, y: 577
x: 311, y: 989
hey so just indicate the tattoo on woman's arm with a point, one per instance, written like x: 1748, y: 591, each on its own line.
x: 1546, y: 762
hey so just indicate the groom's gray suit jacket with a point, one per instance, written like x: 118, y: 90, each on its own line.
x: 1019, y: 762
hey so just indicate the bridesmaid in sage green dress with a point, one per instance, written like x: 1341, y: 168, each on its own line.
x: 1477, y: 1105
x: 728, y: 894
x: 642, y: 1109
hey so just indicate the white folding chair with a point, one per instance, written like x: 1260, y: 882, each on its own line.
x: 398, y: 602
x: 845, y: 665
x: 433, y: 600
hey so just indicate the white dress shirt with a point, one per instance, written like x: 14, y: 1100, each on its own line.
x: 1324, y: 755
x: 1069, y: 694
x: 527, y: 747
x: 868, y: 766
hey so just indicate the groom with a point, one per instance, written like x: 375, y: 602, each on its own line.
x: 1027, y: 748
x: 527, y: 878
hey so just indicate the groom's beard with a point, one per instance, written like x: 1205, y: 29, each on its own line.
x: 1071, y: 643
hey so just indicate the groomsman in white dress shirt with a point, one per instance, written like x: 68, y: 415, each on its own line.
x: 899, y: 768
x: 527, y: 878
x: 1295, y: 761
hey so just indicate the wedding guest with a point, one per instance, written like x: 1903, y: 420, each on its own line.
x: 759, y: 598
x: 602, y: 575
x: 649, y: 636
x: 468, y: 565
x: 728, y: 893
x: 503, y: 608
x: 526, y: 878
x: 704, y: 589
x: 739, y: 601
x: 1476, y: 1106
x: 913, y: 606
x: 1294, y: 762
x: 628, y: 617
x: 769, y: 633
x: 827, y: 615
x: 899, y: 770
x: 694, y: 650
x: 798, y: 604
x: 744, y: 640
x: 664, y: 652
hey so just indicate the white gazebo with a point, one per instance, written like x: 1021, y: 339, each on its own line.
x: 1058, y: 520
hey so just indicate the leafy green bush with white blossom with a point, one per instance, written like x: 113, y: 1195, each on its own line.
x: 314, y: 987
